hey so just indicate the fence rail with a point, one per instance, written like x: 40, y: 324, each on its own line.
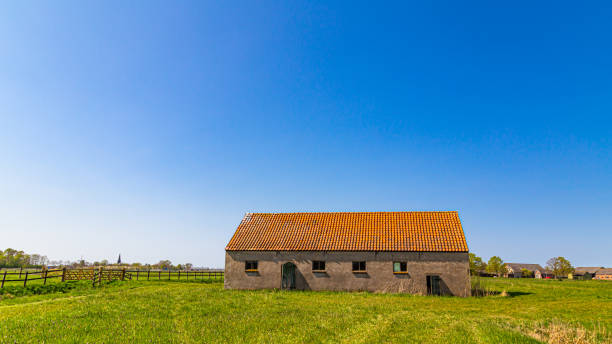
x: 97, y: 275
x: 29, y: 276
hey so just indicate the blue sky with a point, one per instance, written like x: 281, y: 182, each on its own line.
x: 150, y: 128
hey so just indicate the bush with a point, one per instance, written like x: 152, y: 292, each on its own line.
x: 41, y: 289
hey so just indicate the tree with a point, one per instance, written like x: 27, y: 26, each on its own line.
x: 559, y: 266
x: 11, y: 258
x: 164, y: 264
x: 526, y: 273
x: 476, y: 264
x: 496, y: 266
x: 36, y: 259
x: 188, y: 266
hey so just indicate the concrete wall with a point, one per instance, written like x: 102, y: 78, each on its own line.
x: 452, y: 267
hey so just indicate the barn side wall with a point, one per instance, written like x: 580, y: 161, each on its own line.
x: 452, y: 267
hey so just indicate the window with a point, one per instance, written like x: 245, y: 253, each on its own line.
x: 318, y: 265
x: 359, y: 266
x: 400, y: 267
x: 250, y: 265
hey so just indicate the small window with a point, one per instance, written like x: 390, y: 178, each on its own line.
x: 250, y: 265
x: 318, y: 265
x: 359, y: 266
x: 400, y: 267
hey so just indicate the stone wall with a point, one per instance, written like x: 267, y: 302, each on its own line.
x: 452, y: 267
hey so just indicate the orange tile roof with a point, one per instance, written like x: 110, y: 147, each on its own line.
x: 371, y: 231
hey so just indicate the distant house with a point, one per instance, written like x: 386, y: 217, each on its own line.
x: 412, y: 252
x: 485, y: 273
x: 584, y: 272
x: 515, y: 270
x: 603, y: 274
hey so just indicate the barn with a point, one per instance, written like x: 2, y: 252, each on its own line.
x: 411, y: 252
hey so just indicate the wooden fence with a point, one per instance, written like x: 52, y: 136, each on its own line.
x: 98, y: 275
x: 25, y: 276
x: 176, y: 275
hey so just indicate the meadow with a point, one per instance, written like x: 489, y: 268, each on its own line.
x: 520, y: 311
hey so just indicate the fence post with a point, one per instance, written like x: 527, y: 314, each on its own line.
x: 137, y: 271
x: 123, y: 274
x: 64, y: 274
x: 26, y: 279
x: 179, y: 275
x: 45, y: 273
x: 3, y: 279
x: 148, y: 274
x: 169, y: 274
x: 20, y: 269
x: 100, y: 276
x: 159, y: 275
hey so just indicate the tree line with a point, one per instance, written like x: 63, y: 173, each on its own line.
x: 11, y: 258
x: 161, y: 265
x: 558, y: 266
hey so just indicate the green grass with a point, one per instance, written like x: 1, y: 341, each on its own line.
x: 9, y: 292
x: 173, y: 275
x: 181, y: 312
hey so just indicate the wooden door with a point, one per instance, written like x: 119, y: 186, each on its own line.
x: 288, y: 276
x: 433, y: 285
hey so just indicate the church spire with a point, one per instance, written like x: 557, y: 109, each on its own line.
x: 119, y: 259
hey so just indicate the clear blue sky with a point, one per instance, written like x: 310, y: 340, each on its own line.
x: 151, y: 128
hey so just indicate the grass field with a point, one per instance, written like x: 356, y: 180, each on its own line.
x: 193, y: 312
